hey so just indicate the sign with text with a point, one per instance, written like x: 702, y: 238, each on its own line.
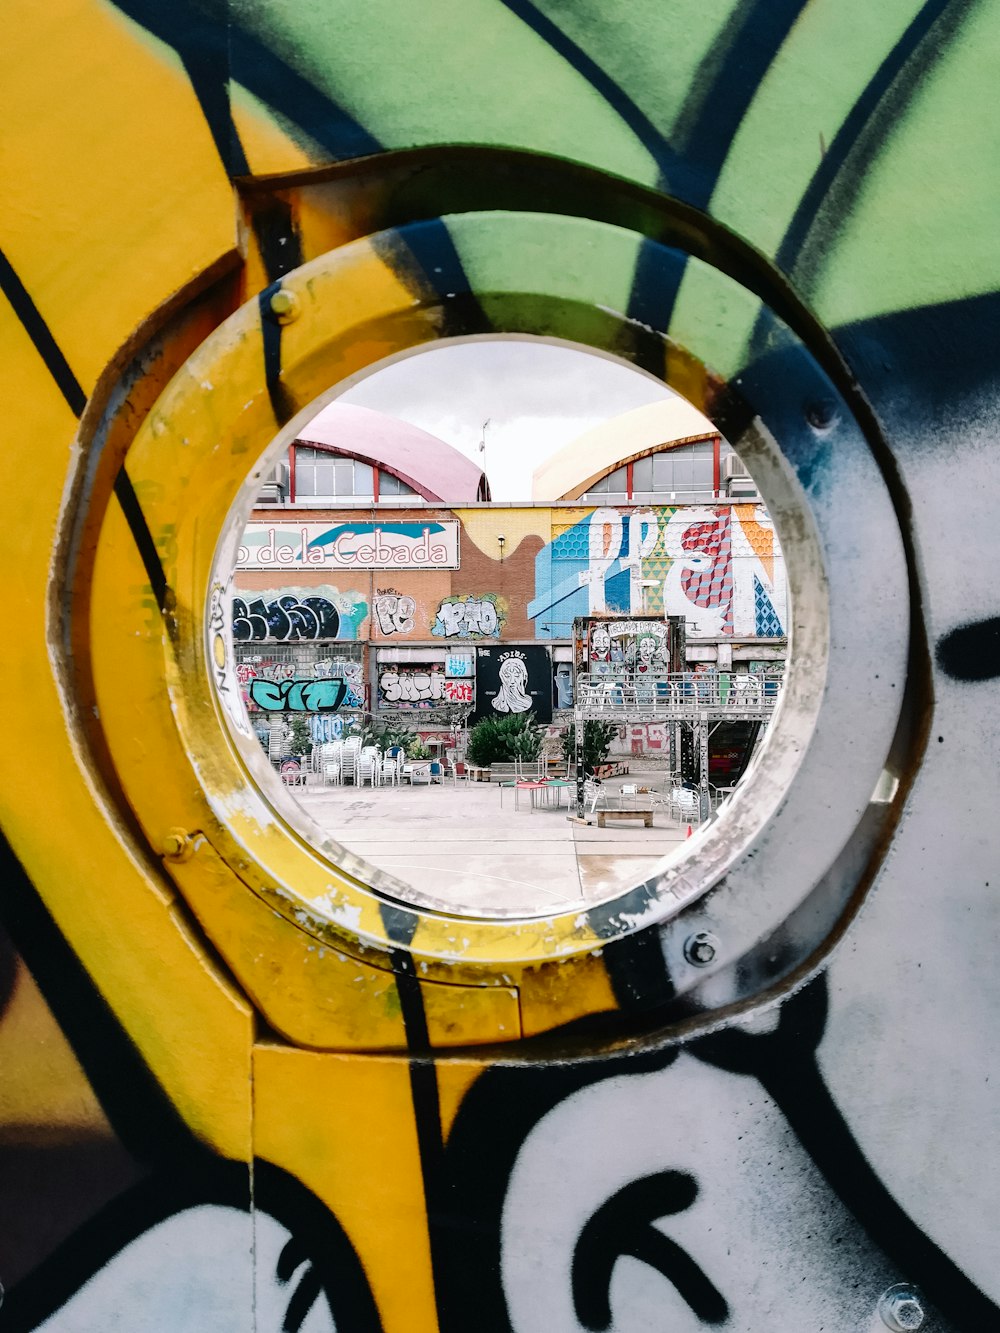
x: 351, y: 545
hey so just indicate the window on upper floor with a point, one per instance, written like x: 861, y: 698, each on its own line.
x: 390, y: 485
x: 322, y: 475
x: 685, y: 472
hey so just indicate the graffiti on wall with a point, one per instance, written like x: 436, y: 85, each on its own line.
x: 299, y: 696
x: 720, y: 567
x: 298, y: 613
x: 393, y: 612
x: 470, y: 616
x: 403, y: 686
x: 786, y: 1195
x: 326, y: 686
x: 514, y: 680
x: 639, y: 646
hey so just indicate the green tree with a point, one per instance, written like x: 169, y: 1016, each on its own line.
x: 299, y: 740
x: 597, y: 738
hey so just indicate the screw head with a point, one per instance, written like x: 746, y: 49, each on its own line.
x: 284, y: 306
x: 700, y: 949
x: 901, y: 1308
x: 177, y: 844
x: 821, y: 414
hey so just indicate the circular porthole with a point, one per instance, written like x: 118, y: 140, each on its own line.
x: 417, y: 619
x: 169, y: 695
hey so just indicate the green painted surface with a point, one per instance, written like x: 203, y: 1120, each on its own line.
x: 473, y: 72
x: 571, y: 258
x: 793, y: 119
x: 797, y: 111
x: 585, y: 269
x: 924, y: 228
x: 457, y: 71
x: 662, y: 58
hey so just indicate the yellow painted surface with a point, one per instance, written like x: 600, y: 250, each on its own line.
x: 267, y: 144
x: 312, y: 993
x: 559, y: 992
x: 344, y: 1126
x: 186, y: 1020
x: 470, y: 1015
x: 482, y: 525
x: 127, y: 656
x: 454, y: 1078
x: 42, y: 1084
x: 356, y: 310
x: 115, y: 196
x: 317, y: 994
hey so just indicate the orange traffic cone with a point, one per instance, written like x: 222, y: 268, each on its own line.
x: 689, y: 831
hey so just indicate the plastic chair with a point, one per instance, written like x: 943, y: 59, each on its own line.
x: 594, y: 795
x: 369, y: 767
x: 686, y: 804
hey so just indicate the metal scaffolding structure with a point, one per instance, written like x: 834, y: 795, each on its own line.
x: 697, y: 700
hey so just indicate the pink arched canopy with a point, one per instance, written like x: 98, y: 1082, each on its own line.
x: 433, y: 468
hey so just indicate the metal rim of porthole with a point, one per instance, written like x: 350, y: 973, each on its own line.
x: 199, y: 457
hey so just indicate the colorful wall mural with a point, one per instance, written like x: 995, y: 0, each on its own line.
x: 420, y: 686
x: 513, y: 680
x: 312, y: 682
x: 722, y: 568
x: 285, y: 615
x: 242, y: 1089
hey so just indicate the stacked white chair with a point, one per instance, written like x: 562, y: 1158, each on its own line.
x: 349, y: 759
x: 332, y: 762
x: 277, y: 746
x: 369, y: 768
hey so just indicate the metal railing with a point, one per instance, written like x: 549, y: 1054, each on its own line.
x: 676, y: 694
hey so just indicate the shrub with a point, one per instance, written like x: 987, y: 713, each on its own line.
x: 386, y: 734
x: 501, y: 740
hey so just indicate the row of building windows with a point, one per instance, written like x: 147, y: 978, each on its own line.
x: 684, y: 472
x: 321, y: 475
x: 689, y: 469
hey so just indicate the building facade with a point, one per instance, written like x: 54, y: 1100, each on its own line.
x: 414, y: 605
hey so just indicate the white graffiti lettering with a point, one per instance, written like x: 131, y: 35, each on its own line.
x: 394, y: 613
x: 469, y: 618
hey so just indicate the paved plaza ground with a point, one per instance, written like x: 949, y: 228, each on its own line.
x: 461, y: 849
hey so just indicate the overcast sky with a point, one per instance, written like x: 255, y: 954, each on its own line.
x: 535, y: 395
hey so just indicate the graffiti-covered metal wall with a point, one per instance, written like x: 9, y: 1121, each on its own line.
x: 241, y: 1088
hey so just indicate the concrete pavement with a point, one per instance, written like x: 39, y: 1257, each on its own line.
x: 461, y: 850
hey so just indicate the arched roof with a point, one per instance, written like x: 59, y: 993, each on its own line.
x: 432, y: 467
x: 569, y: 473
